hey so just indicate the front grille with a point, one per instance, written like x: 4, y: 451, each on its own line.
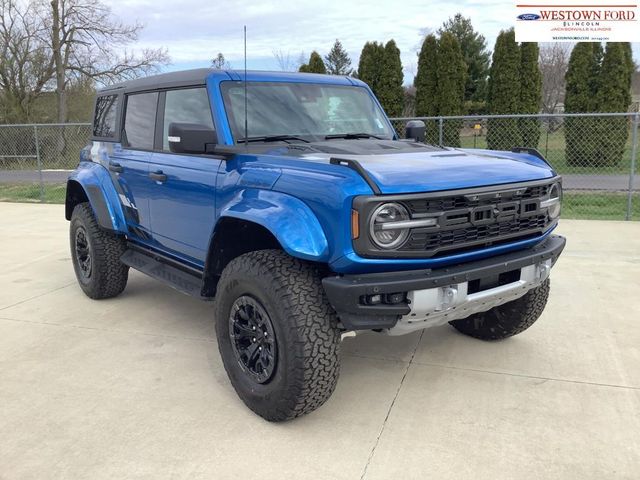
x: 420, y: 239
x: 466, y: 220
x: 473, y: 219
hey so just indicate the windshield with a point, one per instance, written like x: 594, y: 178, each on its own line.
x: 308, y: 111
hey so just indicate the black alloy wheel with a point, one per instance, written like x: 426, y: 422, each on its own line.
x: 253, y: 338
x: 83, y: 252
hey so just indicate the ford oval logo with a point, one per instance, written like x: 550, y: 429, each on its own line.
x: 529, y: 16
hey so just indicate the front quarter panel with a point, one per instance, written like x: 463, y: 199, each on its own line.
x: 292, y: 223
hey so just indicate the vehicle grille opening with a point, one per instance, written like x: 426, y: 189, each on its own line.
x: 479, y: 220
x: 421, y: 239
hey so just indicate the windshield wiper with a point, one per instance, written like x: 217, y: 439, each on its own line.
x: 352, y: 136
x: 271, y: 138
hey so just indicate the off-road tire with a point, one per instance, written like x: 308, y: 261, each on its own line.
x: 305, y: 325
x: 108, y: 275
x: 506, y: 320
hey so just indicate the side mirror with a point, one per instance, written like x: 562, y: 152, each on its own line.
x: 191, y: 138
x: 416, y: 130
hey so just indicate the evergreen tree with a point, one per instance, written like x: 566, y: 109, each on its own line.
x: 338, y: 61
x: 476, y: 56
x: 530, y: 93
x: 450, y: 77
x: 581, y: 72
x: 597, y: 55
x: 614, y: 87
x: 369, y: 66
x: 390, y: 92
x: 426, y: 83
x: 580, y: 97
x: 629, y: 58
x: 504, y: 93
x: 315, y: 65
x: 613, y: 95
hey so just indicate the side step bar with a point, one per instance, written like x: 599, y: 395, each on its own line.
x: 152, y: 265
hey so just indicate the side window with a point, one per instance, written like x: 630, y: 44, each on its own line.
x: 189, y: 105
x: 140, y: 120
x: 104, y: 117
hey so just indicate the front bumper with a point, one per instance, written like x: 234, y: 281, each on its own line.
x: 440, y: 295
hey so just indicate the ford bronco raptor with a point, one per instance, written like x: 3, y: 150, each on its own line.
x: 291, y: 201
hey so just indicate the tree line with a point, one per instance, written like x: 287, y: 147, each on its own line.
x: 49, y: 49
x: 457, y: 76
x: 54, y: 52
x: 598, y: 80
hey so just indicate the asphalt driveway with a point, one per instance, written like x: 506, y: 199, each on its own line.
x: 133, y: 387
x: 34, y: 176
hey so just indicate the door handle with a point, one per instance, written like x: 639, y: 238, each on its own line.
x: 115, y: 167
x: 158, y: 176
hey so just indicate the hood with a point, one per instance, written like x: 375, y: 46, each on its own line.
x: 404, y: 167
x: 426, y: 172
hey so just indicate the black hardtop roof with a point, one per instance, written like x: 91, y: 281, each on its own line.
x: 199, y: 76
x: 196, y: 76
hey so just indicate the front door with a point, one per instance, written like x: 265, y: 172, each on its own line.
x: 182, y: 203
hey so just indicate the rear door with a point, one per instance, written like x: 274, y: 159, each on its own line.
x: 182, y: 204
x: 129, y: 164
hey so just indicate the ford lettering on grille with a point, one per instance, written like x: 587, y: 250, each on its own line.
x: 484, y: 219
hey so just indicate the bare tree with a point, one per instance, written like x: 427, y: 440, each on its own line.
x: 286, y: 62
x: 86, y: 40
x: 554, y: 58
x: 301, y: 60
x: 26, y: 65
x: 62, y: 43
x: 220, y: 63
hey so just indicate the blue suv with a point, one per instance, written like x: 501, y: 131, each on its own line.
x: 291, y: 201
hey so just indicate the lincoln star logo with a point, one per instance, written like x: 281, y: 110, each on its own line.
x: 529, y: 16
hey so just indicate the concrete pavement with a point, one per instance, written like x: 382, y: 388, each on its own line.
x: 133, y: 387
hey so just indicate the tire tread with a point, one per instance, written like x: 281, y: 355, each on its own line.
x: 110, y: 273
x: 312, y: 321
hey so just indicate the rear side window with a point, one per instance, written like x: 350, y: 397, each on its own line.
x: 189, y: 105
x: 104, y: 119
x: 140, y: 120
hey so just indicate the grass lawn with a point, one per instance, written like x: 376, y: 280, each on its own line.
x: 30, y: 193
x: 599, y: 206
x: 552, y: 146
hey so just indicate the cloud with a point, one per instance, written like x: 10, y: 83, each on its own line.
x: 195, y: 31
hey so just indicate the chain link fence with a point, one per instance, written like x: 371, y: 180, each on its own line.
x: 36, y: 159
x: 597, y: 155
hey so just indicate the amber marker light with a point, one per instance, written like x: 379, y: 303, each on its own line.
x: 355, y: 224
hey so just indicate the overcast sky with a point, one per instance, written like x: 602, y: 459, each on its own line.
x: 194, y: 31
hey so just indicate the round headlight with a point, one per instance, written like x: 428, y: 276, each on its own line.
x: 555, y: 200
x: 382, y: 232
